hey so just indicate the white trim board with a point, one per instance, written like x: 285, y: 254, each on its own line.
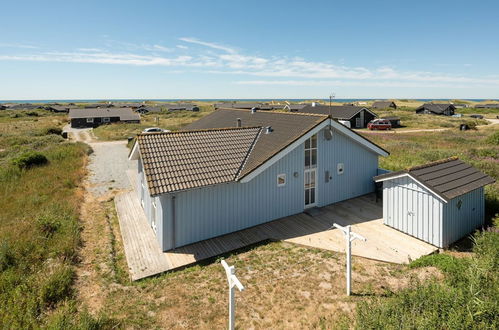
x: 328, y: 122
x: 401, y: 175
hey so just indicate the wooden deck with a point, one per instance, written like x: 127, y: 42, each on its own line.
x: 145, y: 257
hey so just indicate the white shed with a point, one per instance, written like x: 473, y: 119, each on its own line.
x: 439, y: 202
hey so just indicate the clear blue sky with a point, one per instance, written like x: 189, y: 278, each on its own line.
x: 249, y: 49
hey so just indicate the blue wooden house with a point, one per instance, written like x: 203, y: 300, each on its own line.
x: 235, y: 169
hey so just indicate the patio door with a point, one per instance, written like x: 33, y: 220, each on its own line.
x: 310, y: 172
x: 310, y: 187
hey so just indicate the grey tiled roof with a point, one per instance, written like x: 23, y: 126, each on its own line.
x: 123, y: 113
x: 449, y: 178
x: 286, y: 128
x: 436, y: 107
x: 337, y: 111
x: 191, y: 159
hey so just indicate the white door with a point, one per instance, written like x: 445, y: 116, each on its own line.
x: 310, y: 187
x: 358, y: 122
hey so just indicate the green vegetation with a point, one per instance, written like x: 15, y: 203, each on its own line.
x: 468, y: 298
x: 39, y: 231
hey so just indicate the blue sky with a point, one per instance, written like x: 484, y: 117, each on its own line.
x: 249, y: 49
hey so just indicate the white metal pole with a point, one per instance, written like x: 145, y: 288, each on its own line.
x: 232, y: 280
x: 349, y: 260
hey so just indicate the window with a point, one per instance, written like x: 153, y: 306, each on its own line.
x: 340, y: 168
x: 311, y: 152
x: 106, y: 120
x: 459, y: 204
x: 281, y: 180
x: 90, y: 120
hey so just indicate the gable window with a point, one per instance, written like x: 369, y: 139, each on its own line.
x: 90, y: 120
x: 106, y: 120
x: 311, y: 152
x: 281, y: 180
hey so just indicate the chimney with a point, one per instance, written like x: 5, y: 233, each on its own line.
x: 253, y: 110
x: 238, y: 122
x: 268, y: 129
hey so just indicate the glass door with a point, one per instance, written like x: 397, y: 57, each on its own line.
x: 310, y: 173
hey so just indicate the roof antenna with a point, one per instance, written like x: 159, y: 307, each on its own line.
x: 331, y: 97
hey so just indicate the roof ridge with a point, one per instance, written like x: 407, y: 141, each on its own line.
x: 438, y: 162
x: 199, y: 130
x: 243, y: 164
x: 279, y: 112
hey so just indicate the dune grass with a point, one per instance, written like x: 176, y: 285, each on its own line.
x: 39, y: 230
x: 468, y: 298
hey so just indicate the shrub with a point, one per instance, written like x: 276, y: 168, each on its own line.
x: 57, y: 286
x: 493, y: 139
x: 30, y: 159
x: 52, y: 130
x: 7, y: 258
x: 32, y: 114
x: 48, y: 225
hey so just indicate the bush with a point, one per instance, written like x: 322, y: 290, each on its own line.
x: 48, y: 225
x: 52, y: 130
x: 30, y: 159
x: 32, y: 114
x: 7, y: 258
x: 57, y: 286
x: 493, y: 139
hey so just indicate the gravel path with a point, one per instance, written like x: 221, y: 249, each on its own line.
x: 107, y: 164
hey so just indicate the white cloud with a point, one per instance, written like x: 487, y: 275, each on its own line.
x: 218, y: 59
x: 208, y: 44
x: 9, y: 45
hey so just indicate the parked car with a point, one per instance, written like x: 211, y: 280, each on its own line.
x: 476, y: 116
x: 379, y: 124
x: 154, y: 130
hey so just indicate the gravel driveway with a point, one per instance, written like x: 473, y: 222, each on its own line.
x: 107, y: 164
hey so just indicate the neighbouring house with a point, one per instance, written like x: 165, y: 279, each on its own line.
x: 143, y: 109
x: 395, y: 121
x: 436, y: 109
x: 98, y: 105
x: 235, y: 169
x: 180, y: 107
x: 24, y: 106
x: 460, y: 105
x: 57, y: 108
x: 249, y: 106
x: 487, y: 106
x: 358, y: 117
x: 439, y: 202
x: 384, y: 105
x: 294, y: 107
x: 94, y: 117
x: 3, y: 107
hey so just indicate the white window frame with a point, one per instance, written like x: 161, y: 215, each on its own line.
x: 283, y: 177
x: 154, y: 215
x: 90, y: 120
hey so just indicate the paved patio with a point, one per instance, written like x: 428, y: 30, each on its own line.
x: 145, y: 258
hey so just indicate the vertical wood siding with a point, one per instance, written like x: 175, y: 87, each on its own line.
x: 360, y: 166
x: 459, y: 222
x: 216, y: 210
x: 412, y: 209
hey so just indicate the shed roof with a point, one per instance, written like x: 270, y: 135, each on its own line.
x: 448, y: 178
x: 123, y: 113
x: 183, y: 160
x: 345, y: 112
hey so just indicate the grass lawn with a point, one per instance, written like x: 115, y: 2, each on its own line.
x: 40, y: 178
